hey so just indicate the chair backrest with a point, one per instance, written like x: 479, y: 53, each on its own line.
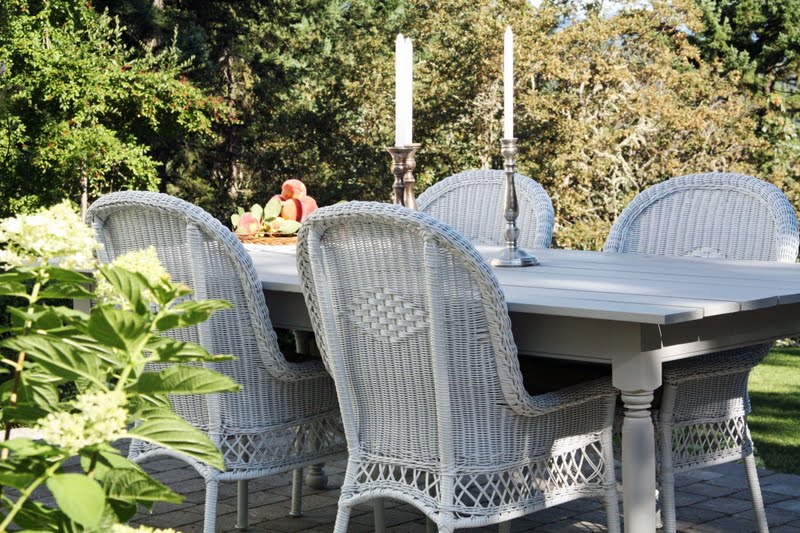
x: 413, y: 327
x: 196, y: 249
x: 718, y: 215
x: 472, y: 203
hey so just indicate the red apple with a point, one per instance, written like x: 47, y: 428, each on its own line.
x: 293, y: 189
x: 309, y: 205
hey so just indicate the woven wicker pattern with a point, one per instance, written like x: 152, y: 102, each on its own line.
x: 413, y: 327
x: 286, y: 415
x: 703, y: 416
x: 472, y: 203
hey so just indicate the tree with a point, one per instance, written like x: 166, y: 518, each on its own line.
x: 80, y: 106
x: 762, y: 40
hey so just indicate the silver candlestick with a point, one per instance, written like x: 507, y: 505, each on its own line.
x: 409, y: 200
x: 511, y: 256
x: 399, y: 170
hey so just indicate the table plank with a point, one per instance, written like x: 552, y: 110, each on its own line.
x: 606, y: 286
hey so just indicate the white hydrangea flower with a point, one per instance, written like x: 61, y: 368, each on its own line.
x: 102, y: 418
x: 123, y: 528
x: 144, y: 262
x: 54, y: 235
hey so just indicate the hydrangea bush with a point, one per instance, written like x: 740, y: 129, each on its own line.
x: 104, y: 354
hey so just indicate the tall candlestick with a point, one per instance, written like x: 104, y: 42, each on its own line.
x: 409, y: 80
x: 399, y: 60
x: 508, y: 84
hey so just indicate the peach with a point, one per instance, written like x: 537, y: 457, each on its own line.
x: 248, y: 224
x: 276, y: 223
x: 293, y: 189
x: 309, y: 205
x: 292, y: 210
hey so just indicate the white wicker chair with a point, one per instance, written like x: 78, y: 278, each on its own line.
x: 472, y: 203
x: 286, y: 415
x: 702, y: 420
x: 414, y: 329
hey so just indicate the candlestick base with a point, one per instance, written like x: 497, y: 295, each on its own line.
x: 513, y: 258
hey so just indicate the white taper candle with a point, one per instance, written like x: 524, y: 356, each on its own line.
x: 508, y: 84
x: 399, y: 58
x: 409, y: 97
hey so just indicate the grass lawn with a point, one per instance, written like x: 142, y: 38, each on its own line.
x: 775, y: 420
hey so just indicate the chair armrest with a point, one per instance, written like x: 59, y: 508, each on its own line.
x: 716, y: 364
x: 540, y: 404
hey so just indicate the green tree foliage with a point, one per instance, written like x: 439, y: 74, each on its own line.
x: 607, y: 104
x: 78, y: 104
x: 761, y: 39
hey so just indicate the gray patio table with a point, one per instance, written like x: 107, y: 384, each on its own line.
x: 633, y: 312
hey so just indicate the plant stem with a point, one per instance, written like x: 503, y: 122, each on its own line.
x: 26, y: 493
x: 32, y: 299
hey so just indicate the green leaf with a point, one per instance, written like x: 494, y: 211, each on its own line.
x: 58, y: 356
x: 119, y: 328
x: 273, y: 208
x: 41, y: 317
x: 18, y: 480
x: 129, y: 284
x: 36, y: 517
x: 79, y: 497
x: 25, y: 447
x: 69, y: 276
x: 13, y: 288
x: 167, y: 350
x: 190, y: 313
x: 124, y: 511
x: 15, y: 275
x: 165, y: 428
x: 179, y: 379
x: 136, y: 486
x: 235, y: 220
x: 290, y: 227
x: 240, y: 211
x: 257, y: 211
x: 66, y: 291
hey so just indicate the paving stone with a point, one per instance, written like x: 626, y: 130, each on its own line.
x: 689, y: 516
x: 792, y: 505
x: 725, y: 505
x: 768, y: 497
x: 728, y: 524
x: 783, y: 488
x: 683, y: 499
x: 709, y: 500
x: 712, y: 491
x: 775, y: 517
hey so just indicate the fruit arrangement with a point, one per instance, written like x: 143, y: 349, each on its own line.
x: 282, y: 215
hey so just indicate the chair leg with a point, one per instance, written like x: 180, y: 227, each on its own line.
x: 242, y: 496
x: 380, y: 520
x: 342, y: 518
x: 210, y: 513
x: 297, y: 493
x: 666, y: 470
x: 755, y: 493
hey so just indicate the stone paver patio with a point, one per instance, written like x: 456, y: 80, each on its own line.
x: 710, y: 500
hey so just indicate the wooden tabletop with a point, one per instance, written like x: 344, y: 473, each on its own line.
x: 627, y: 287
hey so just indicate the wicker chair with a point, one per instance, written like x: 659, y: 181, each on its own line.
x: 286, y: 415
x: 413, y: 327
x: 702, y: 420
x: 472, y: 203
